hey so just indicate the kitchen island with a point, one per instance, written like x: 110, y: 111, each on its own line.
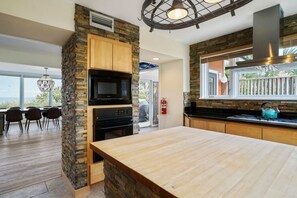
x: 187, y: 162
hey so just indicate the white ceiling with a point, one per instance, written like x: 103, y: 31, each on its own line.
x: 29, y: 52
x: 11, y: 68
x: 16, y: 43
x: 130, y: 10
x: 147, y: 56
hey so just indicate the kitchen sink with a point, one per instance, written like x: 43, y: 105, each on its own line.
x: 259, y: 119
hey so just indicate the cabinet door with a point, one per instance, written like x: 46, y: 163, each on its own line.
x: 122, y: 57
x: 281, y: 135
x: 211, y: 125
x: 247, y: 130
x: 198, y: 124
x: 217, y: 126
x: 100, y: 55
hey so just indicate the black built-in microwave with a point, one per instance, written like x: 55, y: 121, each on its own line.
x: 109, y: 87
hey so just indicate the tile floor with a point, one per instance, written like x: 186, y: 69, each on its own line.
x: 54, y: 188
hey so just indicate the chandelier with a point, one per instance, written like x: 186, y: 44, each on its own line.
x: 178, y: 14
x: 45, y: 83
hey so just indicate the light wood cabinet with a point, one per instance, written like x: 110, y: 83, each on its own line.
x: 281, y: 135
x: 109, y: 54
x: 247, y: 130
x: 122, y: 57
x: 187, y: 121
x: 208, y: 124
x: 100, y: 54
x: 96, y: 173
x: 274, y: 134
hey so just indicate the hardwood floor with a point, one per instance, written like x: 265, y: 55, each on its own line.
x: 29, y: 158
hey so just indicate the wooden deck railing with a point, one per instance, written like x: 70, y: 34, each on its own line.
x: 268, y: 86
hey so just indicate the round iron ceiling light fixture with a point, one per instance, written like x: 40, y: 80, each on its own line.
x: 157, y: 13
x: 177, y: 10
x: 213, y: 1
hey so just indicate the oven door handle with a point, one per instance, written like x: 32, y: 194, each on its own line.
x: 115, y: 127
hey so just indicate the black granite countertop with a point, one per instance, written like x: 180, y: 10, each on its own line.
x: 287, y: 120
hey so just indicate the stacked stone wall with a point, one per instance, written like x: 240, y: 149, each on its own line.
x: 74, y: 91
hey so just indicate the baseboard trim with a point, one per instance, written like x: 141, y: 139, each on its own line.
x: 75, y: 193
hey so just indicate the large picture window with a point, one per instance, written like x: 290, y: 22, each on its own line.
x: 254, y: 83
x: 23, y: 91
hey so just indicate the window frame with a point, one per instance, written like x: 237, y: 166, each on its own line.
x: 22, y: 76
x: 233, y: 82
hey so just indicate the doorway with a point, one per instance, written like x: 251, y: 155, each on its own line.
x: 148, y: 98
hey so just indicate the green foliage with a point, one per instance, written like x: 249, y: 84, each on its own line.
x: 6, y: 105
x: 144, y: 90
x: 57, y: 96
x: 40, y: 100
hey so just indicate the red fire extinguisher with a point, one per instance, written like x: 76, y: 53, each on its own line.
x: 163, y: 106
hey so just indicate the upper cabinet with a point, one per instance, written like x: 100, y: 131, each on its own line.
x: 109, y: 54
x: 100, y: 55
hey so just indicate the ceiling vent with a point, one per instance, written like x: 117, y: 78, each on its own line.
x: 101, y: 21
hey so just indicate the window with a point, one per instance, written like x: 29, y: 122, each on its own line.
x: 9, y: 91
x: 32, y: 95
x: 281, y: 81
x: 57, y: 93
x: 216, y: 79
x: 271, y: 82
x: 23, y: 91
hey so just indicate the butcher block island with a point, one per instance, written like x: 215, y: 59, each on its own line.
x: 187, y: 162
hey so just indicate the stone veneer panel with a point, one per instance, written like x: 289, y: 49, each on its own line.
x: 118, y: 183
x: 233, y: 40
x: 74, y: 74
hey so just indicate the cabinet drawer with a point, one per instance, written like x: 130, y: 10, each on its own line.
x: 247, y: 130
x: 206, y: 124
x: 281, y: 135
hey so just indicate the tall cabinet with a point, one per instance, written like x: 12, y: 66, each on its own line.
x: 104, y: 54
x: 109, y: 54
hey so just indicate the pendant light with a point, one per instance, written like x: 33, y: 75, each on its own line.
x: 177, y: 10
x: 213, y: 1
x: 45, y: 83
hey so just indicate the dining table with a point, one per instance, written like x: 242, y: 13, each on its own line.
x: 24, y: 110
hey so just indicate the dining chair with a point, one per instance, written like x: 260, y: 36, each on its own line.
x: 33, y: 114
x: 54, y: 114
x: 13, y: 115
x: 44, y: 114
x: 15, y: 108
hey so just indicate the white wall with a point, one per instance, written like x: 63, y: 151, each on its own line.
x: 158, y: 43
x: 171, y: 87
x: 55, y: 13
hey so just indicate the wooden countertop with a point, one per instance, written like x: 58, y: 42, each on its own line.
x: 188, y: 162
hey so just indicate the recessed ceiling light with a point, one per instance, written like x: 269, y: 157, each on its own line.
x: 213, y: 1
x: 156, y: 58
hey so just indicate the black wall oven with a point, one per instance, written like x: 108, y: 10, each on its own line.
x: 109, y: 87
x: 111, y: 123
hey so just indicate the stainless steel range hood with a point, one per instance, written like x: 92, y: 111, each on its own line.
x: 266, y: 40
